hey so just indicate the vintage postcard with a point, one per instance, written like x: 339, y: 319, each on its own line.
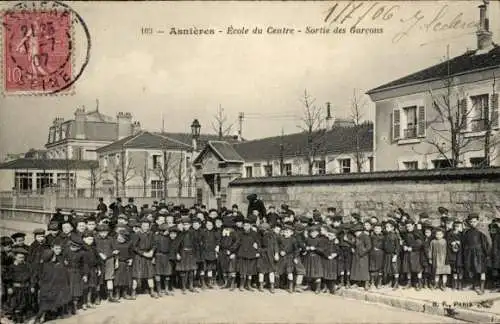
x: 250, y: 162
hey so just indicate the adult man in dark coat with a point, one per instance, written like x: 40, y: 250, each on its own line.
x: 102, y: 206
x: 117, y: 207
x: 131, y: 208
x: 255, y: 203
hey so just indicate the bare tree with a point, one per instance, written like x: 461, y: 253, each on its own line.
x: 491, y: 138
x: 95, y: 176
x: 313, y: 125
x: 358, y: 105
x: 144, y: 173
x: 164, y: 170
x: 179, y: 174
x: 220, y: 124
x: 124, y: 171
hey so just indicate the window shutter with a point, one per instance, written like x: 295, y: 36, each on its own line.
x: 494, y: 110
x: 396, y: 124
x: 421, y: 121
x: 463, y: 112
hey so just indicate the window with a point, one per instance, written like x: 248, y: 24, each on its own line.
x: 23, y: 181
x: 441, y: 164
x: 64, y: 128
x: 66, y: 180
x: 52, y: 133
x: 257, y: 172
x: 43, y: 180
x: 188, y: 162
x: 78, y: 153
x: 319, y: 167
x: 268, y: 170
x: 477, y: 162
x: 248, y: 172
x: 156, y: 189
x: 370, y: 162
x: 156, y: 161
x: 408, y: 122
x: 410, y: 114
x: 410, y: 165
x: 478, y: 113
x: 287, y: 169
x: 345, y: 165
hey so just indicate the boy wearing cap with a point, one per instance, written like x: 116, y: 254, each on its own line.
x: 142, y: 265
x: 360, y: 268
x: 272, y: 217
x: 19, y: 240
x: 107, y: 252
x: 187, y: 256
x: 313, y: 258
x: 475, y: 251
x: 266, y: 264
x: 210, y: 243
x: 376, y: 256
x: 92, y: 261
x: 248, y: 252
x: 53, y: 231
x: 227, y: 256
x: 200, y: 262
x: 19, y: 285
x: 123, y: 273
x: 78, y: 270
x: 454, y: 255
x: 427, y: 274
x: 163, y: 267
x: 345, y: 261
x: 289, y: 251
x: 392, y: 250
x: 412, y: 254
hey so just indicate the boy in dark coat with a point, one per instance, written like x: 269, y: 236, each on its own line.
x: 200, y: 262
x: 455, y: 256
x: 272, y: 217
x: 210, y: 244
x: 248, y: 252
x: 123, y: 273
x: 266, y: 264
x: 187, y: 256
x: 427, y: 274
x: 6, y: 261
x: 107, y: 252
x: 475, y: 251
x: 92, y: 261
x: 19, y: 285
x: 53, y: 231
x: 142, y: 264
x: 163, y: 266
x: 377, y: 256
x: 227, y: 256
x: 412, y: 254
x: 78, y: 270
x: 330, y: 261
x: 392, y: 249
x: 494, y: 229
x: 313, y: 258
x: 345, y: 259
x: 35, y: 253
x: 53, y: 282
x: 360, y: 261
x: 289, y: 251
x: 19, y: 241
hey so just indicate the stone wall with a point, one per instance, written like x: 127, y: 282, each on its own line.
x: 377, y: 193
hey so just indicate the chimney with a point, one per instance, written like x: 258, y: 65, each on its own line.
x: 136, y: 127
x: 484, y: 35
x: 124, y: 121
x: 80, y: 119
x: 329, y: 118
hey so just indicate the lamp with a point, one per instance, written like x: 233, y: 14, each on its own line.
x: 195, y: 128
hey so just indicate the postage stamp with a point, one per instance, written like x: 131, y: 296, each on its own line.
x: 39, y: 48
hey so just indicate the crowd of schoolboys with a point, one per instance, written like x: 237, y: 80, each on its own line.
x: 119, y: 252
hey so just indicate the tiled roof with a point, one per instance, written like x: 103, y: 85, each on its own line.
x: 225, y: 151
x: 49, y: 164
x: 338, y: 140
x: 146, y: 140
x: 467, y: 62
x: 202, y: 140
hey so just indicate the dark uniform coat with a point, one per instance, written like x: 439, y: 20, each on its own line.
x: 188, y: 250
x: 392, y: 249
x: 476, y: 248
x: 163, y: 266
x: 268, y: 248
x: 248, y: 252
x: 142, y: 267
x: 377, y: 253
x: 360, y: 258
x: 228, y: 246
x: 412, y: 260
x: 77, y: 268
x: 123, y: 274
x: 454, y: 253
x: 313, y: 259
x: 330, y: 261
x: 53, y: 283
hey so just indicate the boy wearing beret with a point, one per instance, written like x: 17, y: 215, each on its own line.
x: 248, y: 253
x: 289, y: 251
x: 163, y: 266
x: 93, y: 262
x: 266, y: 264
x: 210, y: 243
x: 360, y: 262
x: 187, y: 255
x: 227, y: 256
x: 123, y: 273
x: 376, y: 255
x: 412, y: 254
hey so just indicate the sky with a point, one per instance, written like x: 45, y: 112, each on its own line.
x: 182, y: 77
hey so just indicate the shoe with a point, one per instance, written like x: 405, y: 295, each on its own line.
x: 271, y: 289
x: 98, y: 301
x: 112, y: 299
x: 290, y: 287
x: 133, y: 296
x: 298, y: 289
x: 84, y: 307
x: 396, y: 285
x: 154, y: 295
x: 261, y: 287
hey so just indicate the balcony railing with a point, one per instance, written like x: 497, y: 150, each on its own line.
x: 478, y: 125
x: 410, y: 132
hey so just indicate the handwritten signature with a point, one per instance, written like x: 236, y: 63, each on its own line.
x: 442, y: 20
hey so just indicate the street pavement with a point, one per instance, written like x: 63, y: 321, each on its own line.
x: 222, y: 306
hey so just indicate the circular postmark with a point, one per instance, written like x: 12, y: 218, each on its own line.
x: 46, y: 47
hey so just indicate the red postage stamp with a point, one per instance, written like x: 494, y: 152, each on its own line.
x: 38, y: 49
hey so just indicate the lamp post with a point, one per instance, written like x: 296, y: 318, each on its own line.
x: 195, y: 133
